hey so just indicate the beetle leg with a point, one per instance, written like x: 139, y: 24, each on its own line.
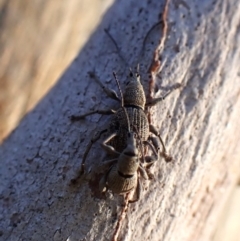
x: 102, y: 112
x: 155, y: 143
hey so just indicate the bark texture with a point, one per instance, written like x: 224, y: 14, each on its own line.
x: 199, y: 123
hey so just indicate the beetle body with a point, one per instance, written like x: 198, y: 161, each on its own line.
x: 124, y: 172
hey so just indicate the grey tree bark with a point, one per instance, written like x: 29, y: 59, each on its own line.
x: 199, y: 124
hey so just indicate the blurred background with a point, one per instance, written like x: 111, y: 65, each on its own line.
x: 38, y: 40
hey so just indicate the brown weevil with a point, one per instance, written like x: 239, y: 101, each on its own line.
x: 133, y: 105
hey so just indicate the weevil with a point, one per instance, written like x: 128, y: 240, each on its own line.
x: 134, y: 102
x: 125, y: 171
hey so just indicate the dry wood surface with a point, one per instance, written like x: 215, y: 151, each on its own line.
x: 199, y: 123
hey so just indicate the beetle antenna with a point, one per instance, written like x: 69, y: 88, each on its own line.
x: 122, y: 101
x: 116, y: 46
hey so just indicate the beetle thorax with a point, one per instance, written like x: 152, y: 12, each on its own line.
x: 134, y: 94
x: 128, y: 160
x: 127, y: 165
